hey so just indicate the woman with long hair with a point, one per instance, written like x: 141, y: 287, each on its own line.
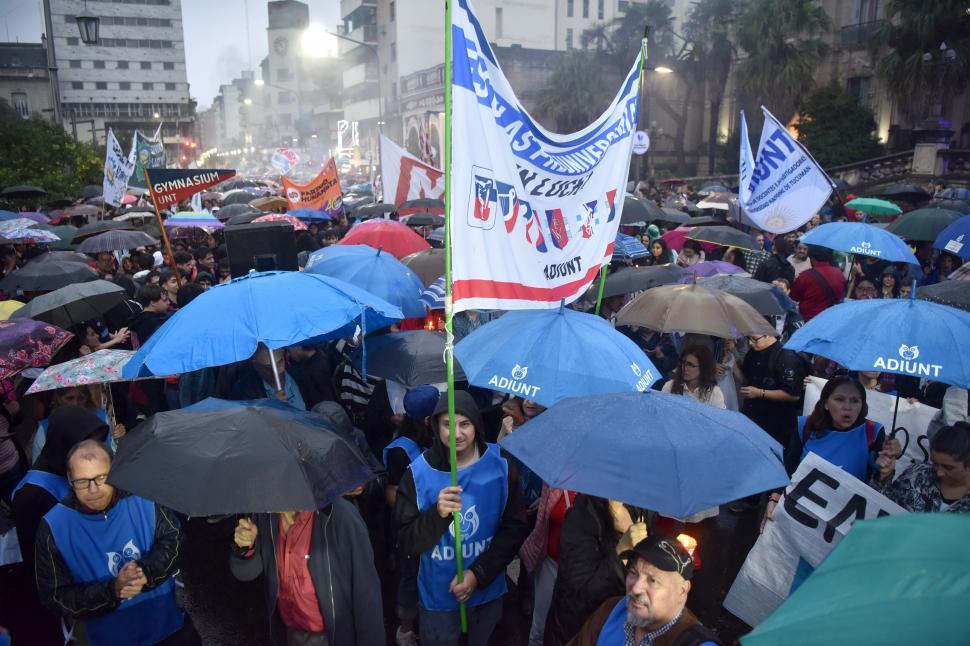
x: 888, y: 283
x: 696, y: 376
x: 660, y: 253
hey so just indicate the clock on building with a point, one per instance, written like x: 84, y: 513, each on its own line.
x: 281, y: 44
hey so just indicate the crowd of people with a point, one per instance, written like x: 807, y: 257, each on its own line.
x: 570, y: 567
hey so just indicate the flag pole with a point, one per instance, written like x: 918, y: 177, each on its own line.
x: 449, y: 308
x: 161, y: 230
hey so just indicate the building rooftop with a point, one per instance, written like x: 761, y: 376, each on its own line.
x: 23, y: 55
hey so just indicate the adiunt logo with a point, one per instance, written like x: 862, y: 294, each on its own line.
x: 864, y: 248
x: 520, y: 372
x: 516, y: 383
x: 116, y: 560
x: 907, y: 364
x: 469, y: 524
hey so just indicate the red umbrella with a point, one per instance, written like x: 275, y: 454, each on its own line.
x: 282, y: 217
x: 394, y: 237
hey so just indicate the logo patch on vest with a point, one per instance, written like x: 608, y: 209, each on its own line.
x: 116, y: 560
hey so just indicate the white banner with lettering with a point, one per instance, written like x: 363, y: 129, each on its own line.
x: 405, y: 177
x: 818, y: 508
x: 534, y: 213
x: 784, y: 186
x: 117, y: 171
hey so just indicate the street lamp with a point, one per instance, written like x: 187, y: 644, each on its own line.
x: 88, y: 24
x: 259, y: 82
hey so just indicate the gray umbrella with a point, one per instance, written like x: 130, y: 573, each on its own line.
x: 65, y: 256
x: 47, y: 276
x: 233, y: 210
x: 764, y: 297
x: 411, y: 358
x: 68, y: 306
x: 23, y: 192
x: 955, y: 293
x: 112, y: 240
x: 100, y: 226
x: 635, y: 210
x: 674, y: 216
x: 244, y: 218
x: 635, y: 279
x: 238, y: 197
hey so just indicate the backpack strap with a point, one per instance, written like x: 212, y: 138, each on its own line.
x: 803, y: 423
x: 870, y: 432
x: 820, y: 280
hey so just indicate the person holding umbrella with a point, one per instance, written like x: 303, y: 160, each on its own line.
x: 493, y: 521
x: 776, y: 265
x: 819, y: 287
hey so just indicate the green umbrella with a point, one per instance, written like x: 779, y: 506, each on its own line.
x: 874, y: 206
x: 66, y: 234
x: 923, y: 224
x: 894, y: 580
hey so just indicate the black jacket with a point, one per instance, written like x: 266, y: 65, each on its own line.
x: 143, y: 324
x: 314, y: 376
x: 419, y: 532
x: 65, y: 597
x: 775, y: 267
x: 341, y: 565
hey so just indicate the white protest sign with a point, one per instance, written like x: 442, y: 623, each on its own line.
x: 818, y: 508
x: 915, y: 418
x: 117, y: 171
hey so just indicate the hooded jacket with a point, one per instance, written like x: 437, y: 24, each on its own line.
x: 419, y: 532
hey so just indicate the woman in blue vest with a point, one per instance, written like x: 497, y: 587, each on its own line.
x: 493, y: 523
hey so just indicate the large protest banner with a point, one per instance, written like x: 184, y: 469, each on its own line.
x: 818, y: 508
x: 405, y: 177
x: 146, y: 153
x: 117, y: 172
x: 169, y: 186
x: 534, y: 214
x: 913, y: 417
x: 322, y: 193
x: 784, y: 186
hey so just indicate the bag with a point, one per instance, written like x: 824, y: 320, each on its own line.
x: 824, y: 284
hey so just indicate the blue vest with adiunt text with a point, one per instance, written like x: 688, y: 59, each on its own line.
x: 53, y: 484
x: 485, y: 490
x: 95, y: 547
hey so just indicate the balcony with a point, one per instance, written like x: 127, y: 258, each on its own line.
x: 858, y: 36
x: 361, y: 110
x: 347, y: 7
x: 364, y: 33
x: 359, y: 74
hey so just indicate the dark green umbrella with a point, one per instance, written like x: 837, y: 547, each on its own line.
x: 47, y: 276
x: 426, y: 203
x: 955, y: 293
x: 424, y: 219
x: 91, y: 191
x: 923, y: 224
x: 73, y: 304
x: 66, y: 233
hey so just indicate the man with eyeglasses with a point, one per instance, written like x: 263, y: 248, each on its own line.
x: 654, y: 611
x: 107, y: 558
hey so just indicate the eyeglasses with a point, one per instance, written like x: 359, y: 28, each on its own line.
x: 83, y: 484
x: 690, y: 364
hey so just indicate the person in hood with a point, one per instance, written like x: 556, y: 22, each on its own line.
x: 154, y: 302
x: 42, y: 488
x: 489, y: 502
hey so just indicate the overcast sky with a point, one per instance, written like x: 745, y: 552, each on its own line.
x: 216, y: 47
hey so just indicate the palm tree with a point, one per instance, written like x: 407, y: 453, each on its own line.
x: 577, y: 92
x: 784, y: 47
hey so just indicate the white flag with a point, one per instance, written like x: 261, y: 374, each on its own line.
x: 786, y: 185
x: 534, y: 214
x: 405, y: 177
x: 117, y: 171
x: 745, y: 164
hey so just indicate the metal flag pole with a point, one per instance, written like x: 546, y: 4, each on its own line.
x: 449, y: 309
x: 161, y: 230
x: 643, y: 66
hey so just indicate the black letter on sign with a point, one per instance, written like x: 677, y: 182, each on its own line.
x: 803, y: 490
x: 855, y: 507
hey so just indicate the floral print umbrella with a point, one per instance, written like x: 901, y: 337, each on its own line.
x: 99, y: 367
x: 26, y: 343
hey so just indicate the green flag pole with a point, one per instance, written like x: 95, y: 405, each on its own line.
x: 449, y: 308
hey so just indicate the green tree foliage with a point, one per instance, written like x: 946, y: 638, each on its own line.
x: 784, y: 45
x: 836, y: 129
x: 37, y: 152
x: 577, y: 92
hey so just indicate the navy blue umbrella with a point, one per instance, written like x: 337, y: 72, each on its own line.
x: 956, y: 238
x: 666, y: 453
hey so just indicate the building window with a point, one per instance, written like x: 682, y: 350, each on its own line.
x: 569, y: 39
x: 858, y: 86
x: 168, y: 66
x: 286, y: 119
x: 600, y: 9
x: 148, y: 86
x: 392, y: 11
x: 585, y: 8
x: 20, y: 104
x: 99, y: 65
x: 122, y: 65
x: 146, y: 65
x: 498, y: 22
x: 72, y: 41
x: 393, y: 52
x: 100, y: 85
x: 569, y: 8
x: 170, y: 86
x: 124, y: 85
x: 75, y: 64
x: 77, y: 85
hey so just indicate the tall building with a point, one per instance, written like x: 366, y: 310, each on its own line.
x: 133, y: 78
x: 284, y: 98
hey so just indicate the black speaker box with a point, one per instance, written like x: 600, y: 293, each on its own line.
x: 266, y: 246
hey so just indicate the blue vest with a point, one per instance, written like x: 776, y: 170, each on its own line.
x: 484, y: 493
x: 848, y: 450
x: 613, y: 633
x: 53, y: 484
x: 410, y: 447
x: 95, y: 547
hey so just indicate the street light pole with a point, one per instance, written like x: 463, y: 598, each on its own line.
x: 52, y: 64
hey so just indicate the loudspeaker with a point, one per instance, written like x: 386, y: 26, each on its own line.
x: 266, y: 246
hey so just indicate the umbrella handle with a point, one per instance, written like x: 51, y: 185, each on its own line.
x: 276, y: 374
x: 925, y: 449
x: 904, y: 431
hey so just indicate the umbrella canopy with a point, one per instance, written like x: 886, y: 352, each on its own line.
x: 228, y: 212
x: 636, y: 279
x: 955, y: 238
x: 411, y: 358
x: 394, y: 237
x: 47, y: 276
x: 955, y: 293
x: 428, y: 264
x: 764, y: 297
x: 277, y: 308
x: 915, y: 337
x: 269, y: 203
x: 549, y: 355
x: 83, y: 210
x: 74, y: 304
x: 309, y: 215
x: 66, y: 234
x: 91, y: 191
x: 923, y: 224
x: 67, y: 256
x: 39, y: 218
x: 193, y: 219
x: 955, y: 193
x: 667, y: 453
x: 913, y: 568
x: 281, y: 217
x: 674, y: 216
x: 874, y: 206
x: 713, y: 268
x: 424, y: 203
x: 244, y: 218
x: 237, y: 197
x: 112, y: 240
x: 438, y: 235
x: 718, y: 201
x: 636, y: 210
x: 675, y: 239
x: 424, y: 219
x: 629, y: 248
x: 861, y: 239
x: 705, y: 220
x: 237, y: 183
x: 26, y: 343
x: 101, y: 226
x: 433, y: 296
x: 101, y: 367
x: 21, y: 192
x: 903, y: 192
x: 693, y: 308
x: 8, y: 307
x: 961, y: 273
x: 377, y: 272
x: 254, y: 456
x: 151, y: 229
x: 725, y: 236
x: 961, y: 206
x: 376, y: 209
x: 8, y: 215
x: 138, y: 213
x: 23, y: 230
x: 708, y: 189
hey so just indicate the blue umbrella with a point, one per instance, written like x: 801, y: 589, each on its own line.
x: 666, y: 453
x: 373, y: 270
x: 8, y: 215
x: 434, y: 295
x: 549, y: 355
x: 310, y: 215
x: 955, y: 194
x: 861, y: 239
x: 629, y: 248
x: 278, y: 308
x: 956, y: 238
x: 903, y: 336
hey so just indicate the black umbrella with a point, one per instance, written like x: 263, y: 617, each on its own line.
x: 73, y: 304
x: 636, y: 279
x: 245, y: 218
x: 411, y: 358
x: 955, y: 293
x: 841, y: 185
x: 705, y: 221
x: 221, y: 457
x: 636, y: 210
x: 22, y: 192
x: 113, y: 240
x: 60, y: 203
x: 764, y: 297
x: 91, y: 191
x: 377, y: 209
x: 904, y: 192
x: 681, y: 203
x: 424, y: 219
x: 423, y: 203
x: 66, y: 256
x: 137, y: 209
x: 674, y: 216
x: 708, y: 189
x: 238, y: 197
x: 233, y: 210
x: 95, y: 228
x: 47, y: 276
x: 960, y: 206
x: 151, y: 229
x: 723, y: 235
x: 238, y: 183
